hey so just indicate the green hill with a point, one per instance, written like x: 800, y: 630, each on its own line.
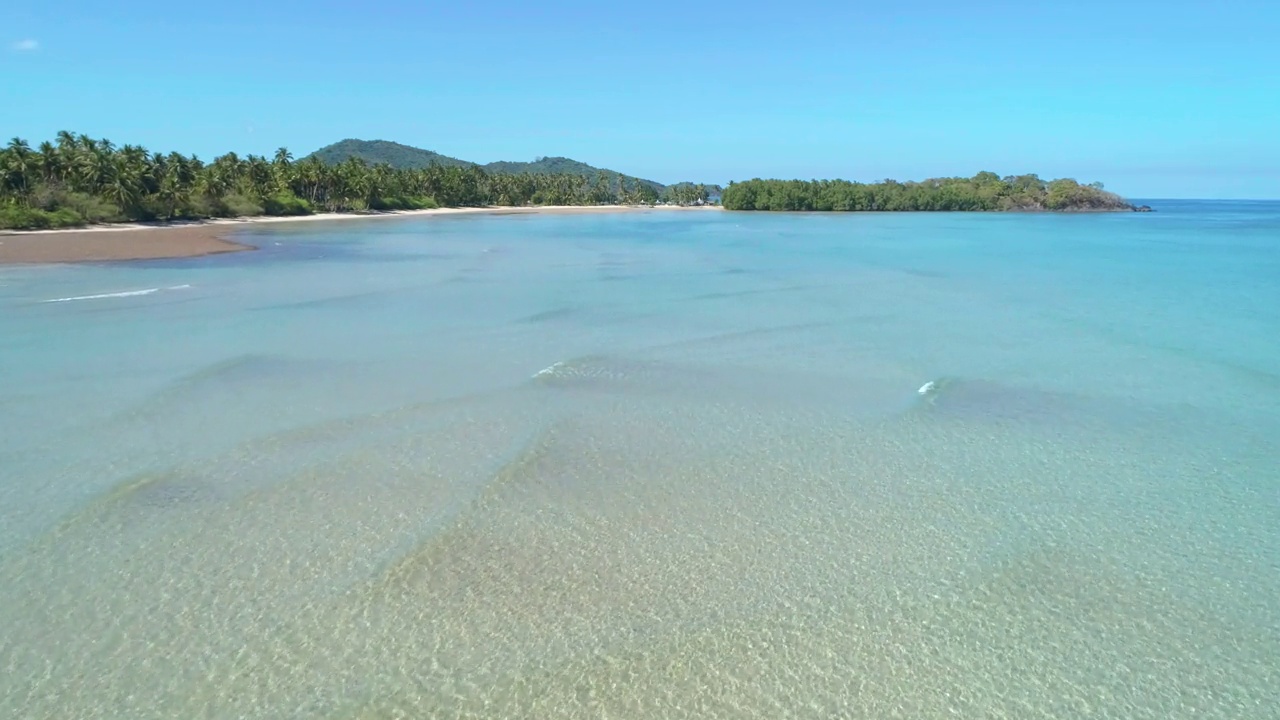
x: 377, y: 152
x: 561, y: 166
x: 403, y: 157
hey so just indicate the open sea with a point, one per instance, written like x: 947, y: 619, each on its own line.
x: 652, y: 465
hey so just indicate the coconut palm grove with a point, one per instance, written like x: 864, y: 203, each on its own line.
x: 75, y: 180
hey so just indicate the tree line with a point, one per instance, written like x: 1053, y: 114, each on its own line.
x: 984, y: 191
x: 75, y: 180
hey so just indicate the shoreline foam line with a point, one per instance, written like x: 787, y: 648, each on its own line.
x: 126, y: 293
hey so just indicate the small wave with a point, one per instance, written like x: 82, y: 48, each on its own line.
x: 592, y: 369
x: 551, y: 369
x: 975, y: 399
x: 126, y: 293
x: 932, y: 389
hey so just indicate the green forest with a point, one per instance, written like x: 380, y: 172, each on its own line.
x: 984, y: 191
x: 76, y: 180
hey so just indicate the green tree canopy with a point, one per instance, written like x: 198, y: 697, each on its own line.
x: 76, y: 180
x: 984, y: 191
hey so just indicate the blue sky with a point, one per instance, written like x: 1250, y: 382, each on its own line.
x: 1156, y: 99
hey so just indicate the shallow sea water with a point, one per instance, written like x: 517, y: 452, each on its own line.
x: 652, y: 465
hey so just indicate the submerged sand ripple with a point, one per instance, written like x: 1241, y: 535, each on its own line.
x: 515, y: 556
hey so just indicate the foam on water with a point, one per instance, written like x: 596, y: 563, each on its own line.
x: 123, y: 294
x: 710, y: 501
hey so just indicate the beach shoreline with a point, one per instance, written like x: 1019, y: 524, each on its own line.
x: 199, y: 238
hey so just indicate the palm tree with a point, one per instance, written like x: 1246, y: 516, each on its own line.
x: 120, y: 185
x: 17, y: 168
x: 255, y: 176
x: 282, y: 170
x: 89, y: 167
x: 308, y: 176
x: 49, y: 163
x: 176, y: 179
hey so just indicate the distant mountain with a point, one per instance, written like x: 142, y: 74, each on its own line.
x: 377, y: 152
x: 400, y: 156
x: 561, y: 166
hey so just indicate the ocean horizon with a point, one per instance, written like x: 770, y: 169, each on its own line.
x: 712, y: 465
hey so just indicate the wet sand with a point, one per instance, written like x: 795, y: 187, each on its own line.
x: 133, y: 243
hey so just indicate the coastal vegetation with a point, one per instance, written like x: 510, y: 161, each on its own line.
x: 77, y: 180
x: 984, y: 191
x: 687, y: 193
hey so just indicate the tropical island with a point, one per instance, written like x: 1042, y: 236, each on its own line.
x: 75, y: 181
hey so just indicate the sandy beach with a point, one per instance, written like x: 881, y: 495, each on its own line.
x: 153, y: 241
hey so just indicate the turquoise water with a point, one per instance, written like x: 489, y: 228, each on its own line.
x: 665, y: 464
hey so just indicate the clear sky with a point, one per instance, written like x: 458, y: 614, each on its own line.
x: 1155, y: 99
